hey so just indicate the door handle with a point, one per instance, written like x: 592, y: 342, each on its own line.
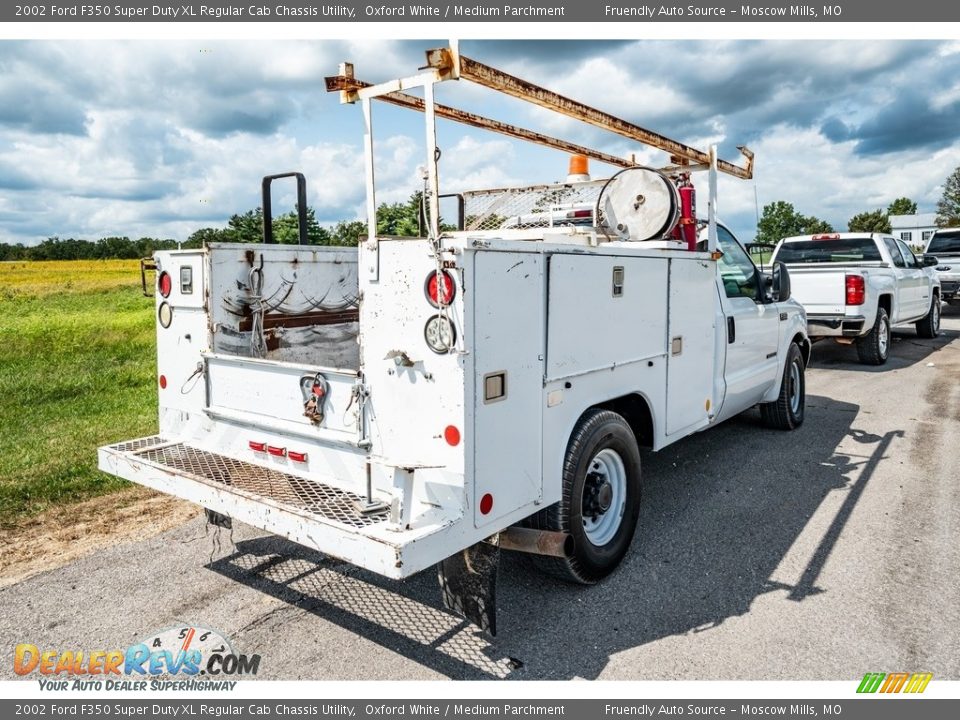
x: 731, y: 330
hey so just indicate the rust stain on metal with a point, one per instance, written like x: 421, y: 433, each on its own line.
x: 510, y: 85
x: 318, y: 317
x: 346, y: 84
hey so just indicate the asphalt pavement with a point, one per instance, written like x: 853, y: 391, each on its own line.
x: 819, y: 554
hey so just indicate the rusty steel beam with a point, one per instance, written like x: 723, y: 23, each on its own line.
x: 347, y: 84
x: 487, y: 76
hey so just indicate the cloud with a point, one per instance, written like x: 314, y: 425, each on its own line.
x: 160, y: 138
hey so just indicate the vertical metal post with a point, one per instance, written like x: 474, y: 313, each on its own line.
x: 712, y: 203
x: 370, y: 255
x: 433, y: 182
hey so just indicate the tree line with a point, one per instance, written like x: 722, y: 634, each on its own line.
x: 402, y: 218
x: 780, y: 219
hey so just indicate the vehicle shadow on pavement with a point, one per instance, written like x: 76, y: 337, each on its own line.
x: 907, y: 348
x: 720, y: 511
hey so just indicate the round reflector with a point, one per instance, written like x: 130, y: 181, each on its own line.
x: 486, y: 504
x: 451, y: 435
x: 433, y: 288
x: 165, y: 314
x: 163, y: 382
x: 165, y: 283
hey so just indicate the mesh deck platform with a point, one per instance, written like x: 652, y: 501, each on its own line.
x: 290, y: 490
x: 138, y: 444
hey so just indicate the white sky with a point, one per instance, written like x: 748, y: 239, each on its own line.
x: 162, y: 137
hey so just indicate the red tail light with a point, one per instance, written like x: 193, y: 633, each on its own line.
x: 165, y: 284
x: 433, y: 288
x: 826, y: 236
x: 257, y: 446
x: 297, y: 456
x: 855, y: 290
x: 276, y: 451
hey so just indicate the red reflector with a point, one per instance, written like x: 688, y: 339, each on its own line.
x: 448, y: 288
x: 855, y: 290
x: 826, y: 236
x: 163, y: 382
x: 257, y: 446
x: 580, y: 214
x: 277, y: 451
x: 165, y: 284
x: 297, y: 456
x: 486, y: 504
x: 451, y: 435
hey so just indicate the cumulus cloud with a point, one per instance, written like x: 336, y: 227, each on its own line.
x: 161, y: 138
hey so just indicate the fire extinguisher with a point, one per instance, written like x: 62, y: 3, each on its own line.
x: 686, y: 229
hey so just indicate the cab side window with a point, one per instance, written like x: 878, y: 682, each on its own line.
x: 894, y: 252
x: 908, y: 256
x: 739, y: 274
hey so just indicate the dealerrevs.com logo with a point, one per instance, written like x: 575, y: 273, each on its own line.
x: 179, y: 658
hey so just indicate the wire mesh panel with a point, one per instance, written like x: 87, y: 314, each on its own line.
x: 138, y: 444
x: 531, y: 207
x: 295, y: 492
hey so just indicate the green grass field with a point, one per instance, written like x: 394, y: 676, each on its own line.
x: 77, y: 370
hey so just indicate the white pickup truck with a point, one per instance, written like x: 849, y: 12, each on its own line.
x: 856, y: 286
x: 944, y: 245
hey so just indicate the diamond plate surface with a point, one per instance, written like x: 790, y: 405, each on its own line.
x: 289, y: 490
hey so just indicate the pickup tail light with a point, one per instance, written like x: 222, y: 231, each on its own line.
x: 277, y: 451
x: 826, y: 236
x: 855, y: 289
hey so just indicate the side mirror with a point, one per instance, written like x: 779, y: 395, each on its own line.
x: 781, y: 282
x: 929, y: 261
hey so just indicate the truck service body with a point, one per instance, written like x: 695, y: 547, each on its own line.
x: 429, y: 400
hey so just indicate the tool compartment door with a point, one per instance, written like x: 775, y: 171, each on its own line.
x: 690, y: 361
x: 508, y: 351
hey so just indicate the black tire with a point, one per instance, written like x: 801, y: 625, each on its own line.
x: 874, y: 347
x: 786, y: 412
x: 929, y: 326
x: 596, y: 432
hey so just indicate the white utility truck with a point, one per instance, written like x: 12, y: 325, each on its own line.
x: 433, y: 400
x: 856, y: 286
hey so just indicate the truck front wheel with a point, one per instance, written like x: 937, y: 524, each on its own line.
x: 600, y: 502
x: 786, y: 412
x: 874, y: 347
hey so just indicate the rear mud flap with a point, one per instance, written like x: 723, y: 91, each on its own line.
x: 469, y: 584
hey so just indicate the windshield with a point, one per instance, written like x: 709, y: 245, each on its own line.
x: 827, y: 251
x: 945, y: 242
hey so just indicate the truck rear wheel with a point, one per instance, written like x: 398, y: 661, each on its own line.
x: 600, y: 502
x: 874, y: 347
x: 929, y: 326
x: 786, y: 412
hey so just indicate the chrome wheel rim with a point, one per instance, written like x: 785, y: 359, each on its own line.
x: 883, y: 342
x: 936, y: 315
x: 604, y: 497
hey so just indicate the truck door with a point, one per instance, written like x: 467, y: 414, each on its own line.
x: 917, y: 283
x: 753, y: 328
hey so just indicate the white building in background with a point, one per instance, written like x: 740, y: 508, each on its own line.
x: 914, y: 230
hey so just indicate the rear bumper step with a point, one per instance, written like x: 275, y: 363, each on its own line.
x: 306, y: 511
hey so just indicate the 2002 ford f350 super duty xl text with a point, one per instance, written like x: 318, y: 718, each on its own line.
x: 856, y: 286
x: 432, y: 400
